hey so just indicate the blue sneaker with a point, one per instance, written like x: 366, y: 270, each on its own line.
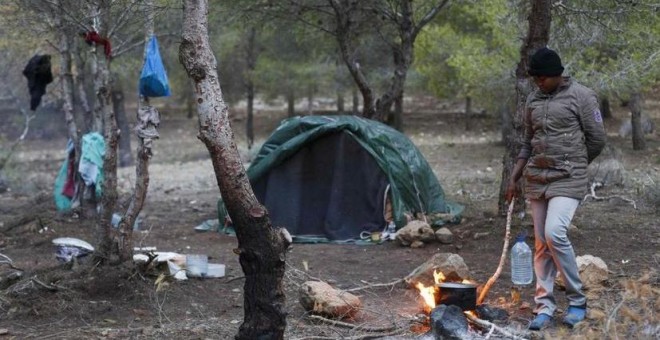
x: 575, y: 314
x: 540, y: 322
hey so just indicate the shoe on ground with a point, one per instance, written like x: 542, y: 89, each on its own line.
x: 540, y: 322
x: 575, y: 314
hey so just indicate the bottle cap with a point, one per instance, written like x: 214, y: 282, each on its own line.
x: 521, y: 237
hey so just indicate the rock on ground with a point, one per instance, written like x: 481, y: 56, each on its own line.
x: 593, y: 272
x: 321, y: 298
x: 444, y: 235
x: 415, y: 231
x: 451, y: 265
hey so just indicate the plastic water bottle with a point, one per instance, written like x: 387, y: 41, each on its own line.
x: 521, y: 262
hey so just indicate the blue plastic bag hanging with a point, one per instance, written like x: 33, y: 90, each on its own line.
x: 153, y: 80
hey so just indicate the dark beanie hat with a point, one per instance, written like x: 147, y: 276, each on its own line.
x: 545, y: 62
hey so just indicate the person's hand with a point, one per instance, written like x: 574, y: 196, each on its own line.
x: 510, y: 191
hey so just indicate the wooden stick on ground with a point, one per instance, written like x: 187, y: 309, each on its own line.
x: 492, y: 326
x: 505, y: 248
x: 353, y: 326
x: 354, y: 337
x: 376, y: 285
x: 603, y: 198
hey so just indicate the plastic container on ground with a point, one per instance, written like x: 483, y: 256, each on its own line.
x: 521, y: 263
x: 197, y: 265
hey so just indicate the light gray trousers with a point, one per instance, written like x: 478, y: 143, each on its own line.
x: 554, y: 252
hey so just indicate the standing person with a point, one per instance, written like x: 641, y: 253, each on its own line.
x: 563, y: 133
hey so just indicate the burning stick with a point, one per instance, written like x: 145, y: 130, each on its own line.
x: 507, y: 236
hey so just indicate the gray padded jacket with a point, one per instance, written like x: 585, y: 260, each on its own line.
x: 563, y: 133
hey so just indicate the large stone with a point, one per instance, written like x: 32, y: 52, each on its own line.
x: 444, y: 235
x: 320, y: 298
x: 451, y: 265
x: 448, y: 322
x: 593, y: 272
x: 415, y: 231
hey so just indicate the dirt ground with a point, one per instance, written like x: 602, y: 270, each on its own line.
x: 100, y: 303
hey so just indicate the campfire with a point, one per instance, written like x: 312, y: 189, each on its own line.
x: 458, y: 293
x: 452, y: 311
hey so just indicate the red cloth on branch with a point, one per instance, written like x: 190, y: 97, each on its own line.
x: 93, y: 37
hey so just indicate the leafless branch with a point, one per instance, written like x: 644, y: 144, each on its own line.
x: 120, y: 21
x: 6, y: 259
x: 28, y: 117
x: 428, y: 17
x: 595, y: 197
x: 50, y: 287
x: 492, y: 326
x: 376, y: 285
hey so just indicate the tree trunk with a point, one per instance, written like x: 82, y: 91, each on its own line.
x: 340, y: 103
x: 635, y: 105
x: 110, y: 238
x: 348, y: 55
x: 85, y: 108
x: 398, y: 113
x: 261, y: 248
x: 339, y: 88
x: 97, y: 113
x: 468, y: 113
x: 125, y: 155
x: 148, y: 119
x: 251, y: 59
x: 190, y: 102
x: 66, y: 71
x: 310, y: 100
x: 538, y: 34
x: 356, y: 101
x: 403, y: 53
x: 290, y: 104
x: 67, y: 89
x: 605, y: 109
x: 249, y: 128
x: 506, y: 123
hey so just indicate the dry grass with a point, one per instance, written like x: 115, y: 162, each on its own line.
x: 628, y: 310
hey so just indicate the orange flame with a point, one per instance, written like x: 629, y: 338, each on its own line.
x: 438, y: 277
x: 428, y: 294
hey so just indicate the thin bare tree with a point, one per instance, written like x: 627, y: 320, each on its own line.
x: 261, y: 248
x: 538, y: 34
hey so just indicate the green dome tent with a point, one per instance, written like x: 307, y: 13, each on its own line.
x: 327, y: 178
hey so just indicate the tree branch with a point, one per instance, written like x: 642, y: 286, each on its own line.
x: 428, y: 17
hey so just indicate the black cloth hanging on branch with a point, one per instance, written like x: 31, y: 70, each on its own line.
x: 38, y: 74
